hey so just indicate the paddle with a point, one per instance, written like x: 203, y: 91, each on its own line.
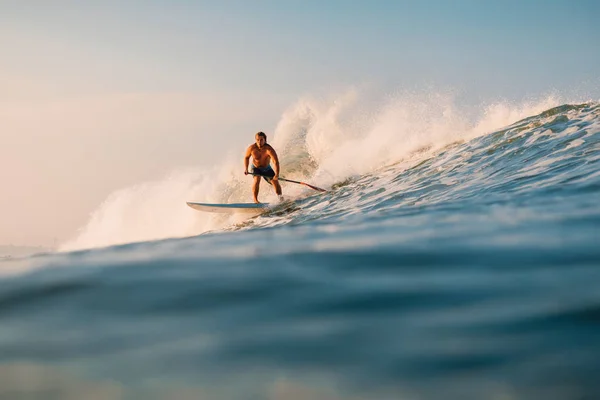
x: 300, y: 183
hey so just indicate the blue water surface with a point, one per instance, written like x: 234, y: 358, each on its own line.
x: 474, y: 274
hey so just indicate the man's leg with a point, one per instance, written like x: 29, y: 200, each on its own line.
x: 255, y: 186
x: 277, y: 187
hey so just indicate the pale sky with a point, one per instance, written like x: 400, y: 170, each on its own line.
x: 100, y: 95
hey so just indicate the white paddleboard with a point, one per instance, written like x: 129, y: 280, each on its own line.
x: 230, y: 208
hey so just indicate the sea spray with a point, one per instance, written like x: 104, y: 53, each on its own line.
x: 319, y: 141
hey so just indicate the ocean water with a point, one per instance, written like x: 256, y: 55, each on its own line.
x: 450, y: 259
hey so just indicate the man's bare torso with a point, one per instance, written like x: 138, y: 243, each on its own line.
x: 261, y: 157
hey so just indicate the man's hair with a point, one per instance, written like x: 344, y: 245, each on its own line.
x: 262, y: 134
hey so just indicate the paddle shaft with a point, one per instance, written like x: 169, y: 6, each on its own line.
x: 298, y: 182
x: 303, y: 183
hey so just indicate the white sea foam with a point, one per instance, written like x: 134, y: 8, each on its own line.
x: 318, y: 140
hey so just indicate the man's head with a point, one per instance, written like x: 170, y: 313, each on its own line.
x: 261, y: 139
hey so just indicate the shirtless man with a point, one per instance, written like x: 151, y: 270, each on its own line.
x: 262, y: 154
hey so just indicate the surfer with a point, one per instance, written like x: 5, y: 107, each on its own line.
x: 262, y: 154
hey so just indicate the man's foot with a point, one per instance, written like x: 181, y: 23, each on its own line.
x: 281, y: 199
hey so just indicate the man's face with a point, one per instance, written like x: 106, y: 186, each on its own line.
x: 260, y: 141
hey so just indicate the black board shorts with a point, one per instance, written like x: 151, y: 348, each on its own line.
x: 266, y: 172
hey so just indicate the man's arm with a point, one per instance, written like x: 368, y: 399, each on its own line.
x: 275, y: 159
x: 247, y: 159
